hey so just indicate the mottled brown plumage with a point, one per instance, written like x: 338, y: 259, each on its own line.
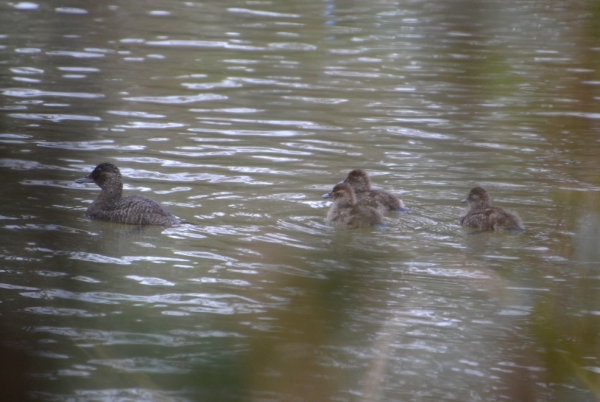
x: 111, y: 206
x: 359, y: 180
x: 346, y: 213
x: 483, y: 216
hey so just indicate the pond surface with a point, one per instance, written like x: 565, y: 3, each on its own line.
x: 237, y: 116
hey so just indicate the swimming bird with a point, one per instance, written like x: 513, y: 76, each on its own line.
x: 360, y: 182
x: 346, y: 213
x: 131, y: 210
x: 483, y: 216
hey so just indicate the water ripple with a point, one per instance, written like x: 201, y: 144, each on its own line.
x: 450, y: 272
x: 145, y: 365
x: 151, y: 126
x: 15, y: 287
x: 150, y: 281
x: 226, y: 83
x: 27, y: 80
x: 250, y: 133
x: 414, y: 133
x: 324, y: 101
x: 47, y: 227
x: 570, y: 114
x: 24, y: 5
x: 143, y: 115
x: 232, y: 150
x: 174, y: 99
x: 204, y: 255
x: 306, y: 125
x: 188, y: 302
x: 62, y: 312
x: 235, y: 282
x: 334, y: 148
x: 188, y: 43
x: 238, y: 110
x: 89, y: 145
x: 70, y: 10
x: 79, y: 69
x: 51, y: 294
x: 153, y: 259
x: 92, y: 257
x: 31, y: 93
x: 53, y: 117
x: 115, y: 394
x: 202, y: 44
x: 28, y: 50
x: 296, y: 47
x: 261, y: 13
x: 26, y: 70
x: 115, y: 337
x: 19, y: 164
x: 78, y: 55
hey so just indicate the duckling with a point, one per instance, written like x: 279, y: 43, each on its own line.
x: 111, y: 206
x: 483, y: 216
x: 346, y: 213
x: 360, y: 182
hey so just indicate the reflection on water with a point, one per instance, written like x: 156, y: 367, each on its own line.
x: 237, y: 116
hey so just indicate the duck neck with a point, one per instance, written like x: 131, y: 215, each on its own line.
x: 362, y: 187
x: 110, y: 194
x: 477, y: 206
x: 346, y: 202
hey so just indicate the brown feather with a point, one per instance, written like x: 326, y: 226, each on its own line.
x: 483, y: 215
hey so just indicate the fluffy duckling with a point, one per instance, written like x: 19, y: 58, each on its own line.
x: 360, y: 182
x: 483, y: 216
x: 346, y: 213
x: 111, y: 206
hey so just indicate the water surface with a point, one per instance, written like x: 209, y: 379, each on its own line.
x: 238, y: 116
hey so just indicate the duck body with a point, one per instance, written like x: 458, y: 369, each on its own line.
x: 382, y: 200
x: 360, y: 183
x: 345, y: 212
x: 484, y: 216
x: 111, y: 206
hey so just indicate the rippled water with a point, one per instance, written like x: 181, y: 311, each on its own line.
x: 238, y: 116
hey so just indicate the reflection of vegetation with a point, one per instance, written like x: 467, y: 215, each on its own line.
x: 569, y: 341
x: 565, y: 323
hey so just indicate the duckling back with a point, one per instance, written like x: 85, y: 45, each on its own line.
x: 492, y: 218
x: 360, y: 182
x: 483, y: 216
x: 381, y: 200
x: 358, y: 216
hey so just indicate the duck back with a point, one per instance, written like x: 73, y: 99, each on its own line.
x: 357, y: 216
x: 492, y: 218
x: 360, y: 182
x: 483, y: 215
x: 380, y: 199
x: 132, y: 210
x: 111, y: 206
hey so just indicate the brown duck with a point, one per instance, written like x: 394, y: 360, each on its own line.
x: 111, y: 206
x: 345, y: 212
x: 360, y: 182
x: 483, y: 216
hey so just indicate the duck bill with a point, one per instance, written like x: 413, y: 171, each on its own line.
x: 463, y: 201
x: 84, y: 180
x: 327, y: 195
